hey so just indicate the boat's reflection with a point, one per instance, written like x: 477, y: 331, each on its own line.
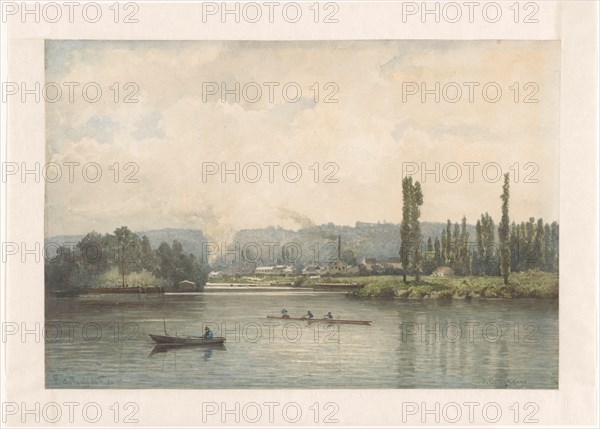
x: 206, y: 348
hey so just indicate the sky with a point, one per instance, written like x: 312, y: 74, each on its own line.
x: 177, y: 132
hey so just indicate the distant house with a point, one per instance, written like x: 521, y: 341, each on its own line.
x: 186, y: 286
x: 443, y: 272
x: 337, y: 267
x: 276, y: 270
x: 214, y: 274
x: 263, y: 271
x: 340, y: 268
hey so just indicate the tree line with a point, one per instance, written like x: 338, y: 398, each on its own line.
x: 121, y: 259
x: 494, y: 251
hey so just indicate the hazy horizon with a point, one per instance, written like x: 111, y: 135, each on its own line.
x: 294, y: 229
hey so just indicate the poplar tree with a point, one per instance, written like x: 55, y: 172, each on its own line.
x: 504, y: 231
x: 444, y: 247
x: 449, y: 255
x: 538, y: 244
x: 410, y: 230
x: 437, y: 250
x: 416, y: 203
x: 405, y: 233
x: 456, y: 244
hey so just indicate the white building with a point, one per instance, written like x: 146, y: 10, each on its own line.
x: 276, y: 270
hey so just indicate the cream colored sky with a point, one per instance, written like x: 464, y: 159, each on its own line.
x: 369, y: 133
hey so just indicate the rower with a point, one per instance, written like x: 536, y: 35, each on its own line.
x: 308, y: 315
x: 208, y: 334
x: 284, y: 314
x: 329, y: 315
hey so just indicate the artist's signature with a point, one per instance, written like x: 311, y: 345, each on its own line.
x: 506, y: 382
x: 71, y: 380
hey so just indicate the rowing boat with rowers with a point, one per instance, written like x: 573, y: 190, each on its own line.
x: 182, y: 340
x: 324, y: 320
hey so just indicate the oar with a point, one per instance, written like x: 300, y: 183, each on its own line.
x: 165, y: 326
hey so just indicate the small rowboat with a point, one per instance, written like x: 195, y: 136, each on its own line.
x: 324, y: 320
x: 185, y: 341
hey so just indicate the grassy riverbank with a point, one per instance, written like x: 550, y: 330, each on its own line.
x: 531, y: 284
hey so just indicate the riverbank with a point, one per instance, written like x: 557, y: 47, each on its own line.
x: 531, y: 284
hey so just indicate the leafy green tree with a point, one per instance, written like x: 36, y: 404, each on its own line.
x: 126, y: 249
x: 486, y: 242
x: 94, y: 257
x: 60, y: 271
x: 166, y: 261
x: 480, y: 246
x: 554, y: 246
x: 547, y: 248
x: 449, y: 253
x: 539, y: 245
x: 410, y: 230
x: 417, y: 202
x: 348, y: 257
x: 504, y: 231
x: 530, y: 256
x: 456, y: 244
x: 148, y: 262
x: 464, y: 242
x: 405, y: 228
x: 444, y: 247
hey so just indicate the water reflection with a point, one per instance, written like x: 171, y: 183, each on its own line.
x: 207, y: 349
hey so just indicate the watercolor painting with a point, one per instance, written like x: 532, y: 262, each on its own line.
x: 377, y: 214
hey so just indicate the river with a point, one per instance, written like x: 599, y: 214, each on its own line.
x: 484, y: 344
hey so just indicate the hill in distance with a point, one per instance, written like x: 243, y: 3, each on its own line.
x: 317, y: 243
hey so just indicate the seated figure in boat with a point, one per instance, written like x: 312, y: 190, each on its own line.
x: 208, y: 334
x: 328, y: 315
x: 284, y: 314
x: 308, y: 315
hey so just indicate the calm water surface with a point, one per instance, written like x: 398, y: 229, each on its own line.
x: 92, y: 343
